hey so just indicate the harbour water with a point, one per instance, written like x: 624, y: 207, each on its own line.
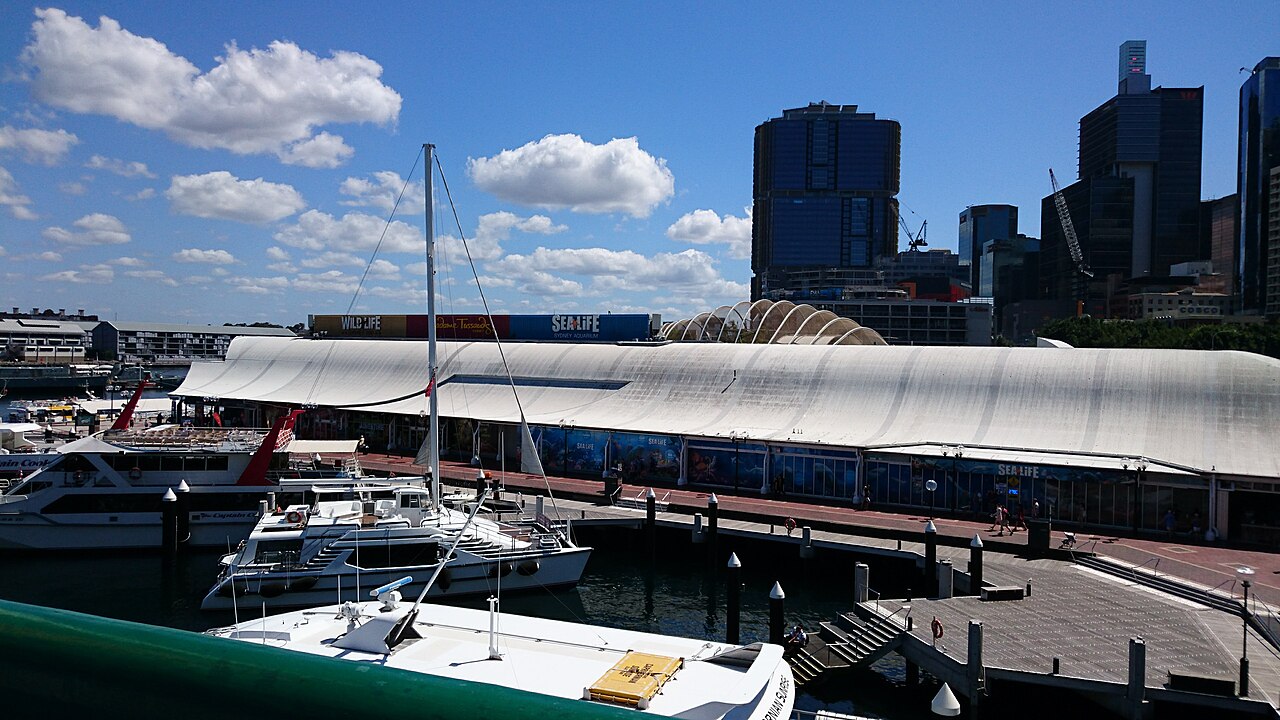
x: 675, y: 593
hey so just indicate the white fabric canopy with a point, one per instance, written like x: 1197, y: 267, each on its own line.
x: 1203, y: 411
x: 332, y: 447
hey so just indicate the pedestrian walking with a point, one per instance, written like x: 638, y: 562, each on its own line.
x: 1035, y: 509
x: 997, y: 519
x: 1169, y: 521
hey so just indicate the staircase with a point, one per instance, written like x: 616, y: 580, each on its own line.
x: 845, y: 644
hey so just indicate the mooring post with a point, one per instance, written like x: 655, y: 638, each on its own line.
x: 169, y: 522
x: 945, y: 579
x: 806, y: 543
x: 713, y: 513
x: 1135, y: 694
x: 974, y: 672
x: 733, y: 599
x: 699, y: 535
x: 975, y: 565
x: 183, y: 509
x: 777, y: 606
x: 651, y: 520
x: 861, y: 582
x: 930, y: 560
x: 537, y: 506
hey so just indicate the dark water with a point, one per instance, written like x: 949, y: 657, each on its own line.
x: 676, y: 593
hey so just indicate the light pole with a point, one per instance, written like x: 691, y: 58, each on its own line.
x: 930, y: 485
x: 1244, y: 573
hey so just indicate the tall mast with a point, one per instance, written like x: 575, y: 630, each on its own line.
x: 433, y: 424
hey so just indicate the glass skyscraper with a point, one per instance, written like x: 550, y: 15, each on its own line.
x: 826, y: 177
x: 1259, y: 153
x: 980, y: 224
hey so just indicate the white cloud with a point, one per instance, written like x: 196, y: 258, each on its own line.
x: 317, y: 231
x: 332, y: 282
x: 381, y: 192
x: 683, y: 274
x: 705, y: 227
x: 491, y: 230
x: 210, y: 257
x: 259, y: 286
x: 126, y: 261
x: 383, y: 270
x: 119, y: 167
x: 322, y: 151
x: 565, y: 171
x: 222, y: 195
x: 153, y: 276
x: 46, y: 147
x: 13, y: 199
x: 331, y: 258
x: 87, y: 274
x: 252, y: 102
x: 143, y: 194
x: 47, y: 256
x: 275, y: 253
x: 282, y: 267
x: 73, y: 188
x: 95, y: 229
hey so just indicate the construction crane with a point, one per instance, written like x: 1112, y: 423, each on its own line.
x: 1073, y: 246
x: 915, y: 241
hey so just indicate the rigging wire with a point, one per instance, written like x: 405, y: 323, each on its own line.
x: 385, y: 227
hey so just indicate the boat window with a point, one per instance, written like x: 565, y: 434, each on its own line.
x: 28, y: 487
x: 376, y: 554
x: 171, y: 463
x: 216, y: 463
x: 277, y: 552
x: 207, y: 502
x: 193, y: 464
x: 147, y: 463
x: 411, y: 500
x: 104, y: 503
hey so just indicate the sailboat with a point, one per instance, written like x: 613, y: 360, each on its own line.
x: 663, y: 675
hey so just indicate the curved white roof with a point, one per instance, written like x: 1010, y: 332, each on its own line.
x: 1197, y: 410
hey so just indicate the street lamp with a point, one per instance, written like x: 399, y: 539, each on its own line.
x: 1244, y: 573
x: 930, y: 485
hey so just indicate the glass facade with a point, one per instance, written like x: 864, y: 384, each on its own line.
x: 978, y: 225
x: 825, y: 181
x: 1259, y: 152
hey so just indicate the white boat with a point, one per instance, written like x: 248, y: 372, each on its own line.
x: 105, y: 490
x: 349, y: 539
x: 661, y: 675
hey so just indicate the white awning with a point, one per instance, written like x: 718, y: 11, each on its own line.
x: 323, y: 447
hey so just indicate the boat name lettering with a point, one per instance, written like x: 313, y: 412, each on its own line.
x: 362, y: 322
x: 1026, y: 471
x: 575, y: 323
x: 779, y: 699
x: 26, y: 462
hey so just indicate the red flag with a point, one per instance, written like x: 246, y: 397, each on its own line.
x: 430, y: 386
x: 217, y: 419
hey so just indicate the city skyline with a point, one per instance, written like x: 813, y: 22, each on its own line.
x: 239, y: 167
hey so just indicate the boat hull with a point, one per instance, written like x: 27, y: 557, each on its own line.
x: 303, y: 589
x: 31, y: 531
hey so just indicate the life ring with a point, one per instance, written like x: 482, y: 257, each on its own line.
x: 936, y: 625
x: 293, y: 517
x: 790, y: 525
x: 78, y: 478
x: 135, y: 473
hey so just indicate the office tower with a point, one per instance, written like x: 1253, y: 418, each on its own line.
x: 1141, y: 147
x: 1259, y: 153
x: 1220, y: 234
x: 980, y: 224
x: 826, y: 177
x: 1272, y: 309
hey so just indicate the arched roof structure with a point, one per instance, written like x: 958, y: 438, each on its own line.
x: 1180, y: 410
x: 766, y: 321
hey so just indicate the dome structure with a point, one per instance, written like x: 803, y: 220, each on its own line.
x: 771, y: 322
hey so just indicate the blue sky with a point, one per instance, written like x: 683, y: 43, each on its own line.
x: 233, y: 162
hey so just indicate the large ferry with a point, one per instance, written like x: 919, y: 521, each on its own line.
x: 106, y: 490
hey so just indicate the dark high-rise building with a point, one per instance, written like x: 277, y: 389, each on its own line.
x: 1219, y: 237
x: 980, y: 224
x: 1136, y: 206
x: 1272, y: 309
x: 1259, y: 153
x: 826, y: 177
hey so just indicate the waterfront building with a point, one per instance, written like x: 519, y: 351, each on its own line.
x: 980, y: 224
x: 136, y: 342
x: 43, y: 341
x: 563, y: 327
x: 1219, y: 221
x: 1140, y: 155
x: 1101, y: 438
x: 1259, y: 153
x: 824, y: 193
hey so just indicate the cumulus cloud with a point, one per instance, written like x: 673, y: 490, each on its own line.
x: 260, y: 285
x: 565, y: 171
x: 331, y: 258
x: 257, y: 101
x: 95, y: 229
x: 317, y: 231
x: 13, y: 199
x: 275, y: 253
x: 322, y: 151
x: 143, y: 194
x: 46, y: 147
x: 682, y: 274
x: 125, y: 261
x: 122, y: 168
x: 491, y: 230
x: 86, y: 274
x: 705, y: 227
x: 382, y: 190
x: 152, y: 276
x: 222, y: 195
x: 209, y: 257
x: 73, y: 188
